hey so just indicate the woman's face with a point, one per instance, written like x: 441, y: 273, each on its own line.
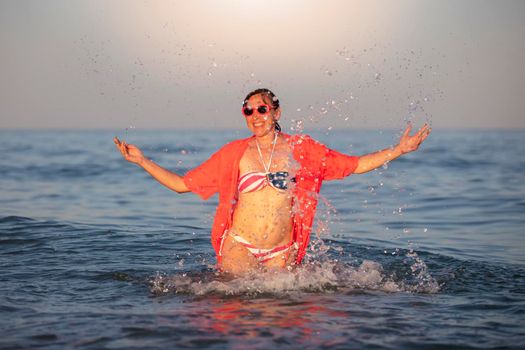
x: 264, y: 124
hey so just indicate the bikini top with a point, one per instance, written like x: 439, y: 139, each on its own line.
x: 254, y: 181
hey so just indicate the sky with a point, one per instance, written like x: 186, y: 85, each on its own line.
x: 121, y: 64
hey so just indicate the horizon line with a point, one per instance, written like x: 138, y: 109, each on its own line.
x: 309, y: 129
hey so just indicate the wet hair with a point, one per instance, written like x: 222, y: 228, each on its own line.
x: 274, y: 101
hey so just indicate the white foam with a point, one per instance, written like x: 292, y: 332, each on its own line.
x: 328, y: 276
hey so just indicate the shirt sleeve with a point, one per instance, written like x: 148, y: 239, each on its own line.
x: 333, y: 164
x: 204, y: 179
x: 338, y: 165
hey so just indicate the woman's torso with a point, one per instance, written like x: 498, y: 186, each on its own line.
x: 264, y: 217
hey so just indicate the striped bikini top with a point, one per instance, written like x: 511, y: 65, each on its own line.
x: 254, y: 181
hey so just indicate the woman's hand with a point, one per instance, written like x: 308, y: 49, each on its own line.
x: 130, y: 152
x: 169, y: 179
x: 409, y: 143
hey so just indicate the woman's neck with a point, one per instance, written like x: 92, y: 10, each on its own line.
x: 268, y: 139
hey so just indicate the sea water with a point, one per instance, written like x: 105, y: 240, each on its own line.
x: 424, y: 252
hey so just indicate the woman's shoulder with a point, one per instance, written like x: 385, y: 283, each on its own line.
x: 303, y: 140
x: 238, y: 142
x: 235, y: 145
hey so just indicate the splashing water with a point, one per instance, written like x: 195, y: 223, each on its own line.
x: 424, y: 282
x: 317, y: 277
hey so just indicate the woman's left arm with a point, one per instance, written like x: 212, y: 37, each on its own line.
x: 406, y: 144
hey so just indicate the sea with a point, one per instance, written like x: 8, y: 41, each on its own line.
x: 426, y: 252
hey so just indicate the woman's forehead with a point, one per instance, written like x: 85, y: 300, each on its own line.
x: 259, y: 98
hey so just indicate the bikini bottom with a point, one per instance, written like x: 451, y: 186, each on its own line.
x: 261, y: 254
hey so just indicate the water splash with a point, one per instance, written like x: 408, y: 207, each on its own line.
x: 297, y: 126
x: 318, y: 277
x: 421, y: 280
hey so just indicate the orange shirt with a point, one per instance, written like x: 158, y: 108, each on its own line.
x: 220, y: 174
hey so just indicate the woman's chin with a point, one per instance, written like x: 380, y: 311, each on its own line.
x: 261, y: 131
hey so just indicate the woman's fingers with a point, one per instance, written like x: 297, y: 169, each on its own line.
x: 425, y: 134
x: 407, y: 131
x: 411, y: 143
x: 422, y: 134
x: 421, y: 131
x: 424, y: 131
x: 121, y: 145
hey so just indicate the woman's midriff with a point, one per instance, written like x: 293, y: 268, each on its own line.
x: 264, y: 217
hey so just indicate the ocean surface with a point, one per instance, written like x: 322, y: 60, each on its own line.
x: 424, y: 253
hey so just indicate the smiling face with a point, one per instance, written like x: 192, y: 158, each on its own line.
x: 262, y: 124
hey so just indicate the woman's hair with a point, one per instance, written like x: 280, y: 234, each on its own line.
x: 274, y: 101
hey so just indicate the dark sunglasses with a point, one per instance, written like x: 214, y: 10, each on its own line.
x: 279, y: 179
x: 261, y: 109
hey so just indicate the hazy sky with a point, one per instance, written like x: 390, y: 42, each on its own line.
x: 189, y: 64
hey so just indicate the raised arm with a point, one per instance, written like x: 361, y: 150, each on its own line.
x: 134, y: 155
x: 406, y: 144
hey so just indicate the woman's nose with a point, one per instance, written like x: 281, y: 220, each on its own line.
x: 257, y: 116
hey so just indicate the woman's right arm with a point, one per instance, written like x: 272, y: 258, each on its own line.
x: 169, y: 179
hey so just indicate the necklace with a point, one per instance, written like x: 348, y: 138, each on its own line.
x: 267, y: 169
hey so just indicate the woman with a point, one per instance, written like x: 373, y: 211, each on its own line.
x: 268, y: 186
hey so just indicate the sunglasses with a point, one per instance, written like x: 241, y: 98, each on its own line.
x: 262, y: 109
x: 279, y: 179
